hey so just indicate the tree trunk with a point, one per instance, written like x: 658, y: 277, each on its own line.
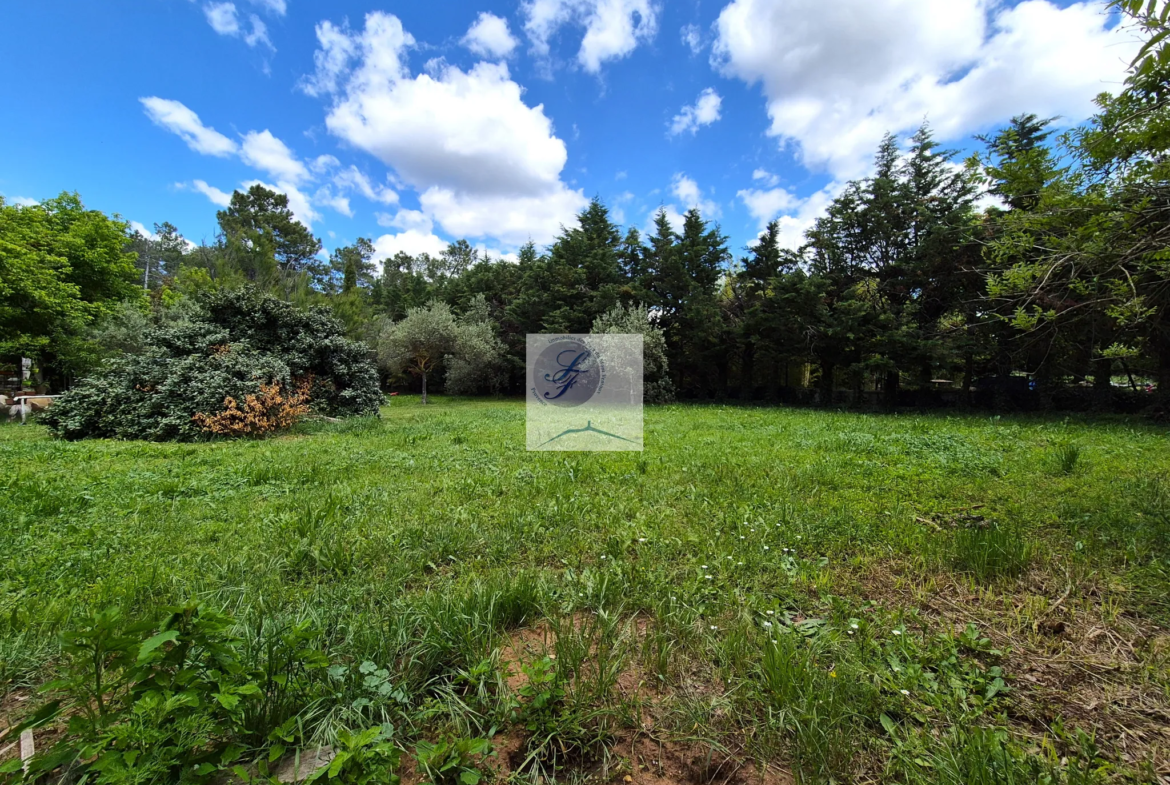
x: 424, y: 390
x: 969, y: 378
x: 827, y: 370
x: 891, y: 388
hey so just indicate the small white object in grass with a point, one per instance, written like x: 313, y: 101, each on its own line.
x: 849, y: 631
x: 768, y: 625
x: 704, y: 566
x: 897, y: 632
x: 771, y: 613
x: 603, y: 556
x: 904, y: 692
x: 742, y: 537
x: 714, y: 627
x: 854, y: 626
x: 641, y: 539
x: 739, y: 564
x: 708, y: 577
x: 766, y: 548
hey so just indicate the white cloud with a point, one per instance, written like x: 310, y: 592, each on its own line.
x: 331, y: 60
x: 672, y: 215
x: 489, y: 36
x: 216, y: 196
x: 767, y: 178
x: 337, y: 202
x: 265, y: 152
x: 353, y: 179
x: 259, y: 34
x: 513, y: 220
x: 705, y: 111
x: 485, y: 163
x: 323, y: 163
x: 795, y: 215
x: 20, y: 201
x: 412, y: 241
x: 838, y: 76
x: 407, y: 219
x: 178, y: 119
x: 613, y: 28
x: 692, y: 36
x: 278, y: 7
x: 688, y: 192
x: 222, y: 18
x: 298, y: 202
x: 766, y: 205
x: 142, y: 230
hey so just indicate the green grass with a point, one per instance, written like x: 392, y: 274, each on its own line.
x: 419, y: 541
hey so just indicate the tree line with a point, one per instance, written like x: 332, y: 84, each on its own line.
x: 1035, y: 266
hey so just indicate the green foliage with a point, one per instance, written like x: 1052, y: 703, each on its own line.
x: 235, y: 341
x: 1065, y: 456
x: 431, y: 338
x: 989, y: 550
x: 61, y: 268
x: 450, y: 761
x: 151, y: 707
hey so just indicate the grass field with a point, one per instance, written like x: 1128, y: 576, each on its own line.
x: 762, y: 593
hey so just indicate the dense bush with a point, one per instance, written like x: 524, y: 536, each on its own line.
x: 234, y: 343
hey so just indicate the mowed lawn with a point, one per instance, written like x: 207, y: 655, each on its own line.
x: 763, y: 592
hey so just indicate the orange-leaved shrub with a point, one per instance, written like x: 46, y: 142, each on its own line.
x: 272, y: 409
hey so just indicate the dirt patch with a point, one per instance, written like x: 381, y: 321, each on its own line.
x: 1071, y: 655
x: 656, y: 761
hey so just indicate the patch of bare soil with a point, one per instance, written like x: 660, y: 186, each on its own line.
x: 1071, y: 655
x: 643, y: 754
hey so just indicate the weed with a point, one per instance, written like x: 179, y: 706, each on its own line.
x: 451, y: 761
x: 1065, y: 456
x: 990, y: 550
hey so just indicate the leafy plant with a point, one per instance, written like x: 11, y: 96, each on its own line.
x: 145, y: 707
x: 453, y: 760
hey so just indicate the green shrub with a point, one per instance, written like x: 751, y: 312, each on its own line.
x: 451, y: 761
x: 235, y: 342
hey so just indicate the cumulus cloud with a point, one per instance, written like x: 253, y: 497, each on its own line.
x: 407, y: 219
x: 178, y: 119
x: 837, y: 77
x: 489, y: 36
x: 484, y: 163
x: 334, y: 201
x: 688, y: 192
x: 142, y: 230
x: 265, y: 152
x: 613, y: 28
x: 412, y: 241
x: 20, y: 201
x: 795, y: 215
x: 705, y: 111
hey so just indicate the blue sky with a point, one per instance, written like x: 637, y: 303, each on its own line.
x: 417, y: 123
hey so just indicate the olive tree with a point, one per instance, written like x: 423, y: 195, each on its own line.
x: 637, y: 320
x: 432, y: 337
